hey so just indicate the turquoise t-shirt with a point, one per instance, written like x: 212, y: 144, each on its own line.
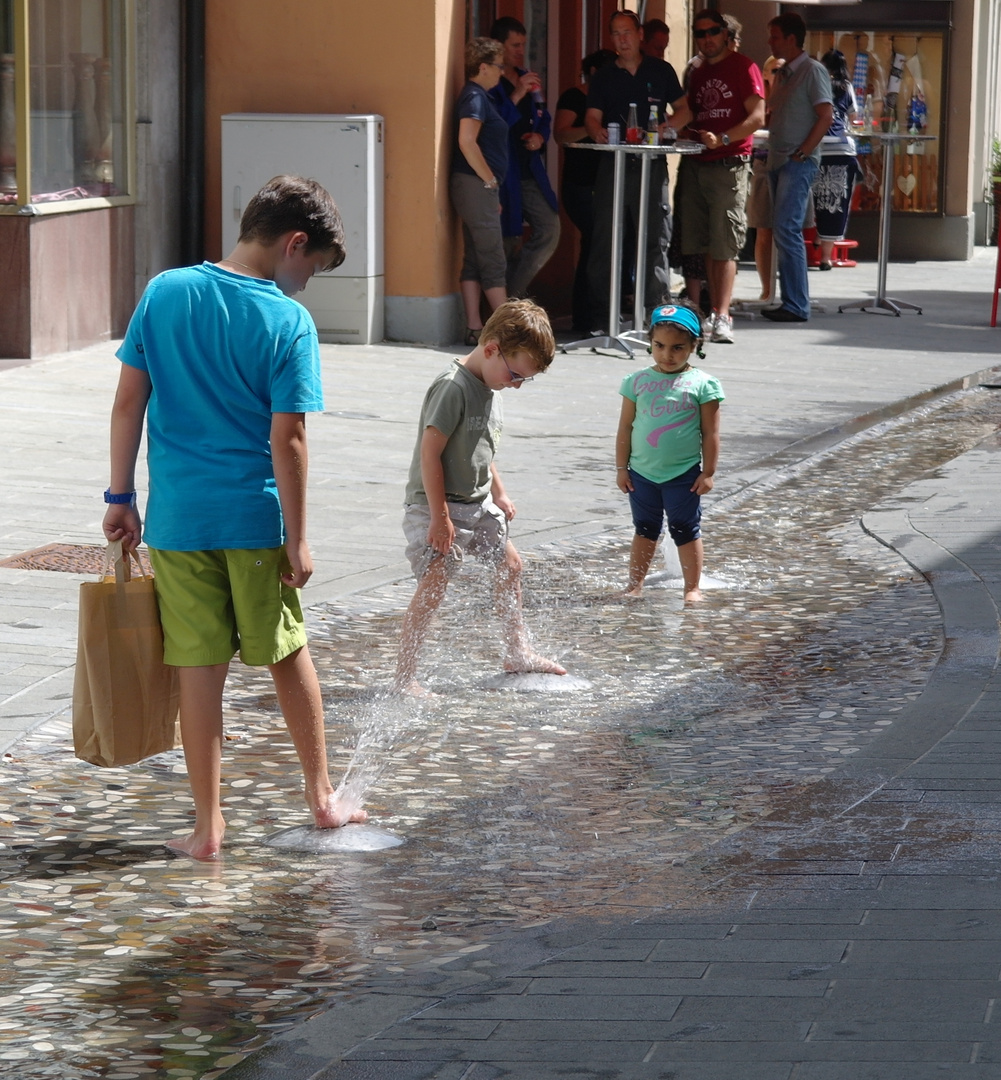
x: 667, y: 431
x: 223, y: 352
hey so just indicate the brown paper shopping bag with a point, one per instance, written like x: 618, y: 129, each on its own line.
x: 125, y: 699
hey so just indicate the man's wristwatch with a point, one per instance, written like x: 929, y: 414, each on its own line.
x: 491, y: 184
x: 121, y: 499
x: 724, y: 139
x: 798, y: 154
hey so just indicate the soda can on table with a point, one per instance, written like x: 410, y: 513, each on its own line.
x: 614, y: 134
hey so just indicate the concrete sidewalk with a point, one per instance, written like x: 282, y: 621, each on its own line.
x: 853, y: 933
x: 790, y: 392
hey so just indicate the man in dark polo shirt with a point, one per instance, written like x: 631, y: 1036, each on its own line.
x: 644, y: 81
x: 726, y: 95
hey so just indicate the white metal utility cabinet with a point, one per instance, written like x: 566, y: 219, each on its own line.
x: 345, y: 154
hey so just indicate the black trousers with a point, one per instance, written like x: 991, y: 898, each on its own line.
x: 658, y: 233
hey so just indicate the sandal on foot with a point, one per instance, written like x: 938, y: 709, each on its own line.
x: 473, y: 336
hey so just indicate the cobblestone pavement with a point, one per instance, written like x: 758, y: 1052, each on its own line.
x: 517, y: 809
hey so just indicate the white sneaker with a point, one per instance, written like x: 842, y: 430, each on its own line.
x: 709, y: 325
x: 723, y: 329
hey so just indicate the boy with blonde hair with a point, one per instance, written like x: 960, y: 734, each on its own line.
x: 222, y: 365
x: 455, y: 500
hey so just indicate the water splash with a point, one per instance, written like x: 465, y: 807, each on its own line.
x: 536, y: 682
x: 381, y: 730
x: 327, y: 841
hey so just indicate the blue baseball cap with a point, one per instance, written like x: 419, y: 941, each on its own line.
x: 680, y: 316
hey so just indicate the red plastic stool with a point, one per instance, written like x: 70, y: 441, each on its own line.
x: 997, y: 287
x: 839, y: 253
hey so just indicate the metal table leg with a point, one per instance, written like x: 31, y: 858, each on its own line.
x: 636, y: 335
x: 613, y: 339
x: 883, y: 304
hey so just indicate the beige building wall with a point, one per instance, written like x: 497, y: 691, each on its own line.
x: 402, y: 61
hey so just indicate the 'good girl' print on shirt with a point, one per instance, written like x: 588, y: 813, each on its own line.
x: 651, y: 399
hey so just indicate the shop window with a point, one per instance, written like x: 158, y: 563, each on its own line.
x: 901, y: 77
x: 897, y: 54
x: 65, y: 130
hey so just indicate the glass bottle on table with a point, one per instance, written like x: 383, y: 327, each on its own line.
x: 652, y: 128
x: 867, y: 114
x: 633, y: 136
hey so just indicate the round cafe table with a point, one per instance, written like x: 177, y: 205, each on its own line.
x: 616, y: 338
x: 882, y: 304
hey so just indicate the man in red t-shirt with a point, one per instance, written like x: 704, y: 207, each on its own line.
x: 726, y: 95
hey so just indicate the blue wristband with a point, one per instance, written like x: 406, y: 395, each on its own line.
x: 119, y: 500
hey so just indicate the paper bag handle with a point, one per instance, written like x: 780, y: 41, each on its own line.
x: 115, y: 557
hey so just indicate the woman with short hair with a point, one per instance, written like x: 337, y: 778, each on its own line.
x: 479, y: 161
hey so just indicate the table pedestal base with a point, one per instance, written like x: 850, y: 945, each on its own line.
x: 600, y: 341
x: 625, y: 341
x: 880, y: 305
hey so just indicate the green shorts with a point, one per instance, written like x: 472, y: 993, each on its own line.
x: 213, y: 603
x: 713, y: 216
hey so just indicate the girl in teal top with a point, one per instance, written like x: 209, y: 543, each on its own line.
x: 667, y: 446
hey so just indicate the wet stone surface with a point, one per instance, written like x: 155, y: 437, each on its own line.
x: 121, y: 961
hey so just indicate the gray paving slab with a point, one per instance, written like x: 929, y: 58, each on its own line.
x: 880, y: 1070
x: 908, y: 969
x: 565, y: 1009
x: 793, y: 950
x: 624, y: 969
x: 734, y: 1054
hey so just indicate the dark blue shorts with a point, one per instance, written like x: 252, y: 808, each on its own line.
x: 649, y: 503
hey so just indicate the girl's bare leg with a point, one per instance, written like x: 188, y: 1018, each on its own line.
x: 416, y: 623
x: 298, y: 691
x: 640, y: 557
x: 690, y: 557
x: 507, y: 597
x: 201, y: 736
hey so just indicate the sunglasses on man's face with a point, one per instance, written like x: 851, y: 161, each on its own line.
x: 712, y: 31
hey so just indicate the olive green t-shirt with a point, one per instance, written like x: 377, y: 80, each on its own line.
x: 465, y: 409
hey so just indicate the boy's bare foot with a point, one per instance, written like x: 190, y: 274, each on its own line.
x: 523, y: 662
x: 203, y: 848
x: 693, y: 596
x: 337, y: 811
x: 412, y: 689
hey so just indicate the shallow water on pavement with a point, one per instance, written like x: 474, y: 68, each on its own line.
x: 121, y: 961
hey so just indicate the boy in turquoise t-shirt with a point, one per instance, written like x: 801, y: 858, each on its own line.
x: 223, y: 365
x: 667, y: 446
